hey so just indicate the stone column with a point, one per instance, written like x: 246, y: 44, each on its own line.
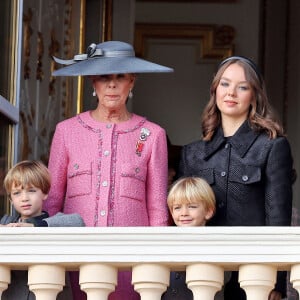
x: 4, y: 278
x: 204, y: 280
x: 98, y: 280
x: 46, y: 281
x: 150, y: 280
x: 257, y: 280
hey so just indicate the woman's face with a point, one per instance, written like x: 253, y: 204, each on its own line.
x: 112, y: 90
x: 234, y: 94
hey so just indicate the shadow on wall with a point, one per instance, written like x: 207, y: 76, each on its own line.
x: 173, y: 161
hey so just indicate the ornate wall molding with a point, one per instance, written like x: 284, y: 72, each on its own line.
x: 216, y: 42
x: 27, y: 19
x: 51, y: 28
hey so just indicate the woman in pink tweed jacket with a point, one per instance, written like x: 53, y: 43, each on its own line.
x: 98, y: 172
x: 107, y: 164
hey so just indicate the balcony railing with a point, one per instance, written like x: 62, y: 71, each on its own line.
x: 151, y: 253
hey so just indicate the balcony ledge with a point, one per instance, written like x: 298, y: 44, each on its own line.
x: 126, y: 246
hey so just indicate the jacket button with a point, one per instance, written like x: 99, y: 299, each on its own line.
x: 223, y: 174
x: 245, y: 178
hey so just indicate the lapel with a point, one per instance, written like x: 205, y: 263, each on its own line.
x: 210, y: 147
x: 241, y: 141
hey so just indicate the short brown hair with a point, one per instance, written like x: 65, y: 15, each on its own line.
x: 192, y: 190
x: 28, y: 173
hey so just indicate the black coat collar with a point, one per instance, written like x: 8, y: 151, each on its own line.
x: 241, y: 141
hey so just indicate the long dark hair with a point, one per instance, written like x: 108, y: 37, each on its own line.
x: 261, y: 116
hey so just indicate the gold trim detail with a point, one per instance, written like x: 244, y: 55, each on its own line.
x: 80, y: 84
x: 53, y: 51
x: 216, y: 42
x: 27, y: 18
x: 107, y: 20
x: 193, y: 1
x: 40, y: 53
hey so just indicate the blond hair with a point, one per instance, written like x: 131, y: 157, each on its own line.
x: 191, y: 190
x: 28, y: 173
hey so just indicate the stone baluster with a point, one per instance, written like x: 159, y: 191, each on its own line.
x: 204, y: 280
x: 150, y: 280
x: 257, y: 280
x: 295, y: 277
x: 4, y: 278
x: 98, y: 280
x: 46, y: 281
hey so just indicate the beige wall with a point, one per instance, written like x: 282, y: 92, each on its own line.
x: 175, y: 101
x: 267, y: 31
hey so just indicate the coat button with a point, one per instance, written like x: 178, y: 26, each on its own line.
x: 106, y: 152
x: 104, y: 183
x: 223, y: 174
x: 102, y: 213
x: 108, y: 126
x: 245, y: 178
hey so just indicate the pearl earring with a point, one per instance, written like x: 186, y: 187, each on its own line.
x: 94, y: 93
x: 130, y: 95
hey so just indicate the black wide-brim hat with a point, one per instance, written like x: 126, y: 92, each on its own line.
x: 111, y: 57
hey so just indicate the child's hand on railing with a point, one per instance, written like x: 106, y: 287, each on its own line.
x: 18, y: 225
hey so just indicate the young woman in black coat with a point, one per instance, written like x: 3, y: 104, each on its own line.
x: 244, y: 155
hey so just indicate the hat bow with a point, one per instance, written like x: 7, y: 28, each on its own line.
x: 93, y: 52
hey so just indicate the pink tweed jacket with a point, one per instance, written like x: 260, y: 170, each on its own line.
x: 110, y: 174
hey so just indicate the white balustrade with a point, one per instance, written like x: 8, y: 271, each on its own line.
x: 204, y: 280
x: 151, y: 253
x: 257, y: 280
x: 150, y: 280
x: 46, y: 281
x: 295, y: 277
x: 98, y: 280
x: 4, y: 278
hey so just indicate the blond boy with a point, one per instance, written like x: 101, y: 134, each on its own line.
x: 191, y: 202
